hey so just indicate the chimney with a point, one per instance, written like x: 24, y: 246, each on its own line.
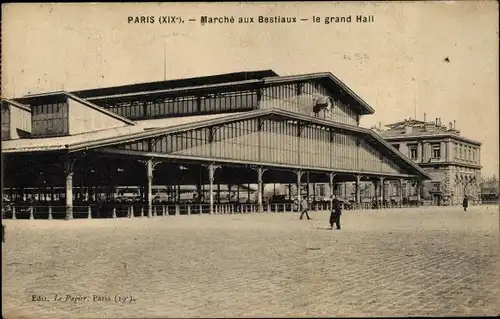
x: 379, y: 125
x: 436, y: 121
x: 450, y: 125
x: 454, y: 125
x: 424, y: 117
x: 408, y: 129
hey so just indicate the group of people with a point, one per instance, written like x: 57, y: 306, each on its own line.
x: 335, y: 213
x: 336, y: 210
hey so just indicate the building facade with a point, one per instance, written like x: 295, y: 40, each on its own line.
x: 452, y: 161
x: 231, y: 129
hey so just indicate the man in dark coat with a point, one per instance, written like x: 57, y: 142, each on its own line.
x: 304, y: 207
x: 465, y: 203
x: 335, y: 213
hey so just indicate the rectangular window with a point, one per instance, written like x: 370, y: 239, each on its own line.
x: 321, y: 190
x: 413, y: 152
x: 436, y: 151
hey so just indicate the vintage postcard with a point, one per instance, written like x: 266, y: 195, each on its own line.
x: 287, y: 159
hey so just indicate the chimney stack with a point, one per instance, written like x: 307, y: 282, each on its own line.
x: 436, y: 121
x: 424, y: 117
x: 454, y: 125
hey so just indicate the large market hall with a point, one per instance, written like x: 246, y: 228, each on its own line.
x: 202, y: 145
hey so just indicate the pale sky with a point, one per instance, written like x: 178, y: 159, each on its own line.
x: 393, y: 63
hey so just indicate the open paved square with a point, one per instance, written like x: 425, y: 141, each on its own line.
x: 402, y: 262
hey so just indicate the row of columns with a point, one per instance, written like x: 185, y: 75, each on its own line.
x: 150, y: 165
x: 381, y: 184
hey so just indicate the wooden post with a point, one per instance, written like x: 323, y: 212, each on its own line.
x: 299, y: 188
x: 401, y: 181
x: 419, y: 185
x: 308, y: 189
x: 211, y: 178
x: 89, y: 216
x: 149, y: 198
x: 114, y: 212
x: 382, y: 190
x: 31, y: 213
x: 218, y: 194
x: 14, y: 212
x: 358, y: 191
x: 248, y: 193
x: 332, y: 191
x: 50, y: 212
x: 68, y: 168
x: 260, y: 172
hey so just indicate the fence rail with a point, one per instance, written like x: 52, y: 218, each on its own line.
x: 136, y: 210
x: 132, y: 210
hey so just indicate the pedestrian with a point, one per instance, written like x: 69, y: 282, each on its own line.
x: 296, y: 205
x: 465, y: 203
x: 335, y: 213
x: 304, y: 207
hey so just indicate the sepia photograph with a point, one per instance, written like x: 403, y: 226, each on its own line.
x: 260, y: 159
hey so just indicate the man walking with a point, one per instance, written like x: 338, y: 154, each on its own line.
x: 465, y: 203
x: 304, y: 207
x: 335, y: 213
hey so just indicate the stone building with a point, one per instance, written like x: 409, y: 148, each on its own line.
x: 453, y: 161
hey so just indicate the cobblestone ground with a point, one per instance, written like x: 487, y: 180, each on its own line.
x: 406, y: 262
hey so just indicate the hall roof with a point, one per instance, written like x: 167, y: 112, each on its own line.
x: 152, y: 128
x: 87, y: 139
x: 197, y: 85
x: 177, y: 84
x: 16, y: 104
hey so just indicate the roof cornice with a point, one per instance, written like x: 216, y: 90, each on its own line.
x: 17, y: 104
x: 243, y: 116
x: 416, y: 138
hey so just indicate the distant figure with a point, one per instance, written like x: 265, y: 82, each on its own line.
x: 304, y: 207
x: 465, y: 203
x: 335, y: 213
